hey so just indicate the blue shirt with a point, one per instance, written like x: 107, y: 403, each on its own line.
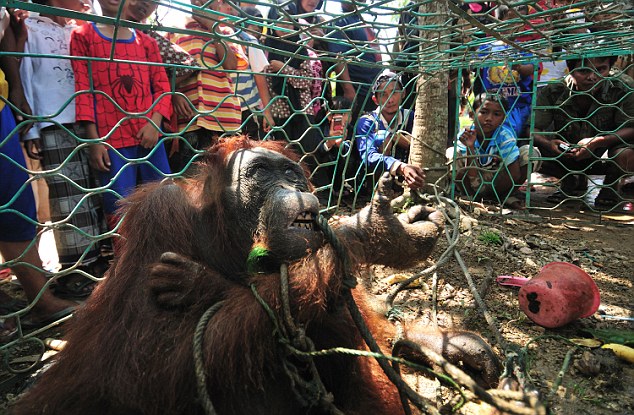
x: 502, y: 144
x: 372, y: 130
x: 510, y: 84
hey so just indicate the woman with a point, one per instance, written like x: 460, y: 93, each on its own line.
x: 291, y: 87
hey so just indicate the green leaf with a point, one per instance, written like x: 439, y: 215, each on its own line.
x: 613, y: 335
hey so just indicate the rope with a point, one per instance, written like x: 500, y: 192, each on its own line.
x: 306, y: 384
x: 359, y: 321
x: 199, y: 365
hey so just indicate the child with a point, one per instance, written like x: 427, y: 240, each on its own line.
x: 139, y: 11
x: 379, y: 143
x: 53, y: 141
x: 105, y: 86
x: 18, y: 218
x: 211, y: 91
x: 290, y: 87
x: 250, y: 85
x: 488, y: 161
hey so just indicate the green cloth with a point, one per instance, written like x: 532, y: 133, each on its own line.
x: 573, y: 124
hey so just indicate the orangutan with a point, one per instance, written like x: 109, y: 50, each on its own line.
x: 216, y: 242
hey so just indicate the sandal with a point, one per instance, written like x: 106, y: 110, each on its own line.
x: 607, y: 199
x: 10, y: 305
x: 514, y: 202
x: 557, y: 197
x: 74, y: 287
x: 30, y: 323
x: 8, y: 330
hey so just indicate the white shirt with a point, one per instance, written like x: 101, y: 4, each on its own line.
x: 48, y: 83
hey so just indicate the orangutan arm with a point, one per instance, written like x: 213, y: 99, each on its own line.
x: 377, y: 236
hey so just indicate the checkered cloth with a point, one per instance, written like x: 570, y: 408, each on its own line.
x: 66, y: 197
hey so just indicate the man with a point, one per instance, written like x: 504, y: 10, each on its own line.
x: 354, y: 80
x: 586, y: 116
x: 381, y: 145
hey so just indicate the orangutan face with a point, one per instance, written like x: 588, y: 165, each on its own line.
x: 271, y: 196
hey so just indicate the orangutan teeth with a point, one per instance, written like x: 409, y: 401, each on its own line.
x: 304, y: 220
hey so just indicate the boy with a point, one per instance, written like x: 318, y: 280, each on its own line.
x: 488, y: 161
x: 380, y: 146
x: 124, y: 89
x: 211, y: 91
x: 17, y: 215
x: 53, y: 141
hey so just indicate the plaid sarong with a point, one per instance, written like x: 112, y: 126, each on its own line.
x: 66, y: 196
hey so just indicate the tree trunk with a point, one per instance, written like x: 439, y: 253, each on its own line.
x: 430, y: 123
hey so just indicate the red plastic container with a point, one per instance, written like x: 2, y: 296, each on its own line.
x: 559, y: 294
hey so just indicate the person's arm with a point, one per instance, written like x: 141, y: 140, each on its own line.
x: 509, y: 173
x: 524, y: 69
x: 466, y: 148
x: 85, y: 102
x: 623, y: 118
x: 160, y: 83
x: 507, y: 177
x: 149, y: 133
x: 265, y: 97
x: 366, y: 145
x: 548, y: 143
x: 31, y: 137
x: 226, y: 55
x: 586, y: 147
x: 98, y: 156
x: 11, y: 67
x: 258, y: 62
x: 343, y: 78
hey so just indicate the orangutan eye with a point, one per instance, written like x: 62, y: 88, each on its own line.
x: 254, y: 169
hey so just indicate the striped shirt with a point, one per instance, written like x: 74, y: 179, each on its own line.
x: 246, y: 89
x: 503, y: 144
x: 210, y: 90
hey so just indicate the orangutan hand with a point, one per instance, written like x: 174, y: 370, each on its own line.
x: 171, y: 281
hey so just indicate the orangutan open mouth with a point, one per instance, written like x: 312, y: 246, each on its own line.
x: 305, y: 220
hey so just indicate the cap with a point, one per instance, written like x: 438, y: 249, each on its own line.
x: 386, y: 77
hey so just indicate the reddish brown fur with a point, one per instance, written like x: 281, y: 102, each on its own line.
x: 125, y: 355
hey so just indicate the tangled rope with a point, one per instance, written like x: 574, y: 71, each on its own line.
x: 306, y: 383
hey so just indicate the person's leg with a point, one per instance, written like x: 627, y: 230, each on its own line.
x: 157, y: 166
x: 67, y: 199
x: 121, y: 178
x: 621, y: 164
x: 18, y: 222
x: 524, y: 160
x: 250, y: 125
x: 33, y: 280
x: 188, y: 147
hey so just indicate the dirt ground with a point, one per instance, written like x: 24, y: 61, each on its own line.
x: 526, y: 243
x: 516, y: 244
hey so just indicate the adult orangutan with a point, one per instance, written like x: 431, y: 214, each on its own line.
x: 187, y: 247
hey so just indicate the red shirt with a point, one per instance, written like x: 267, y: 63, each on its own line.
x: 131, y: 88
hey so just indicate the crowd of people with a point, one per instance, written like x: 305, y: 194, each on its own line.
x: 135, y: 106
